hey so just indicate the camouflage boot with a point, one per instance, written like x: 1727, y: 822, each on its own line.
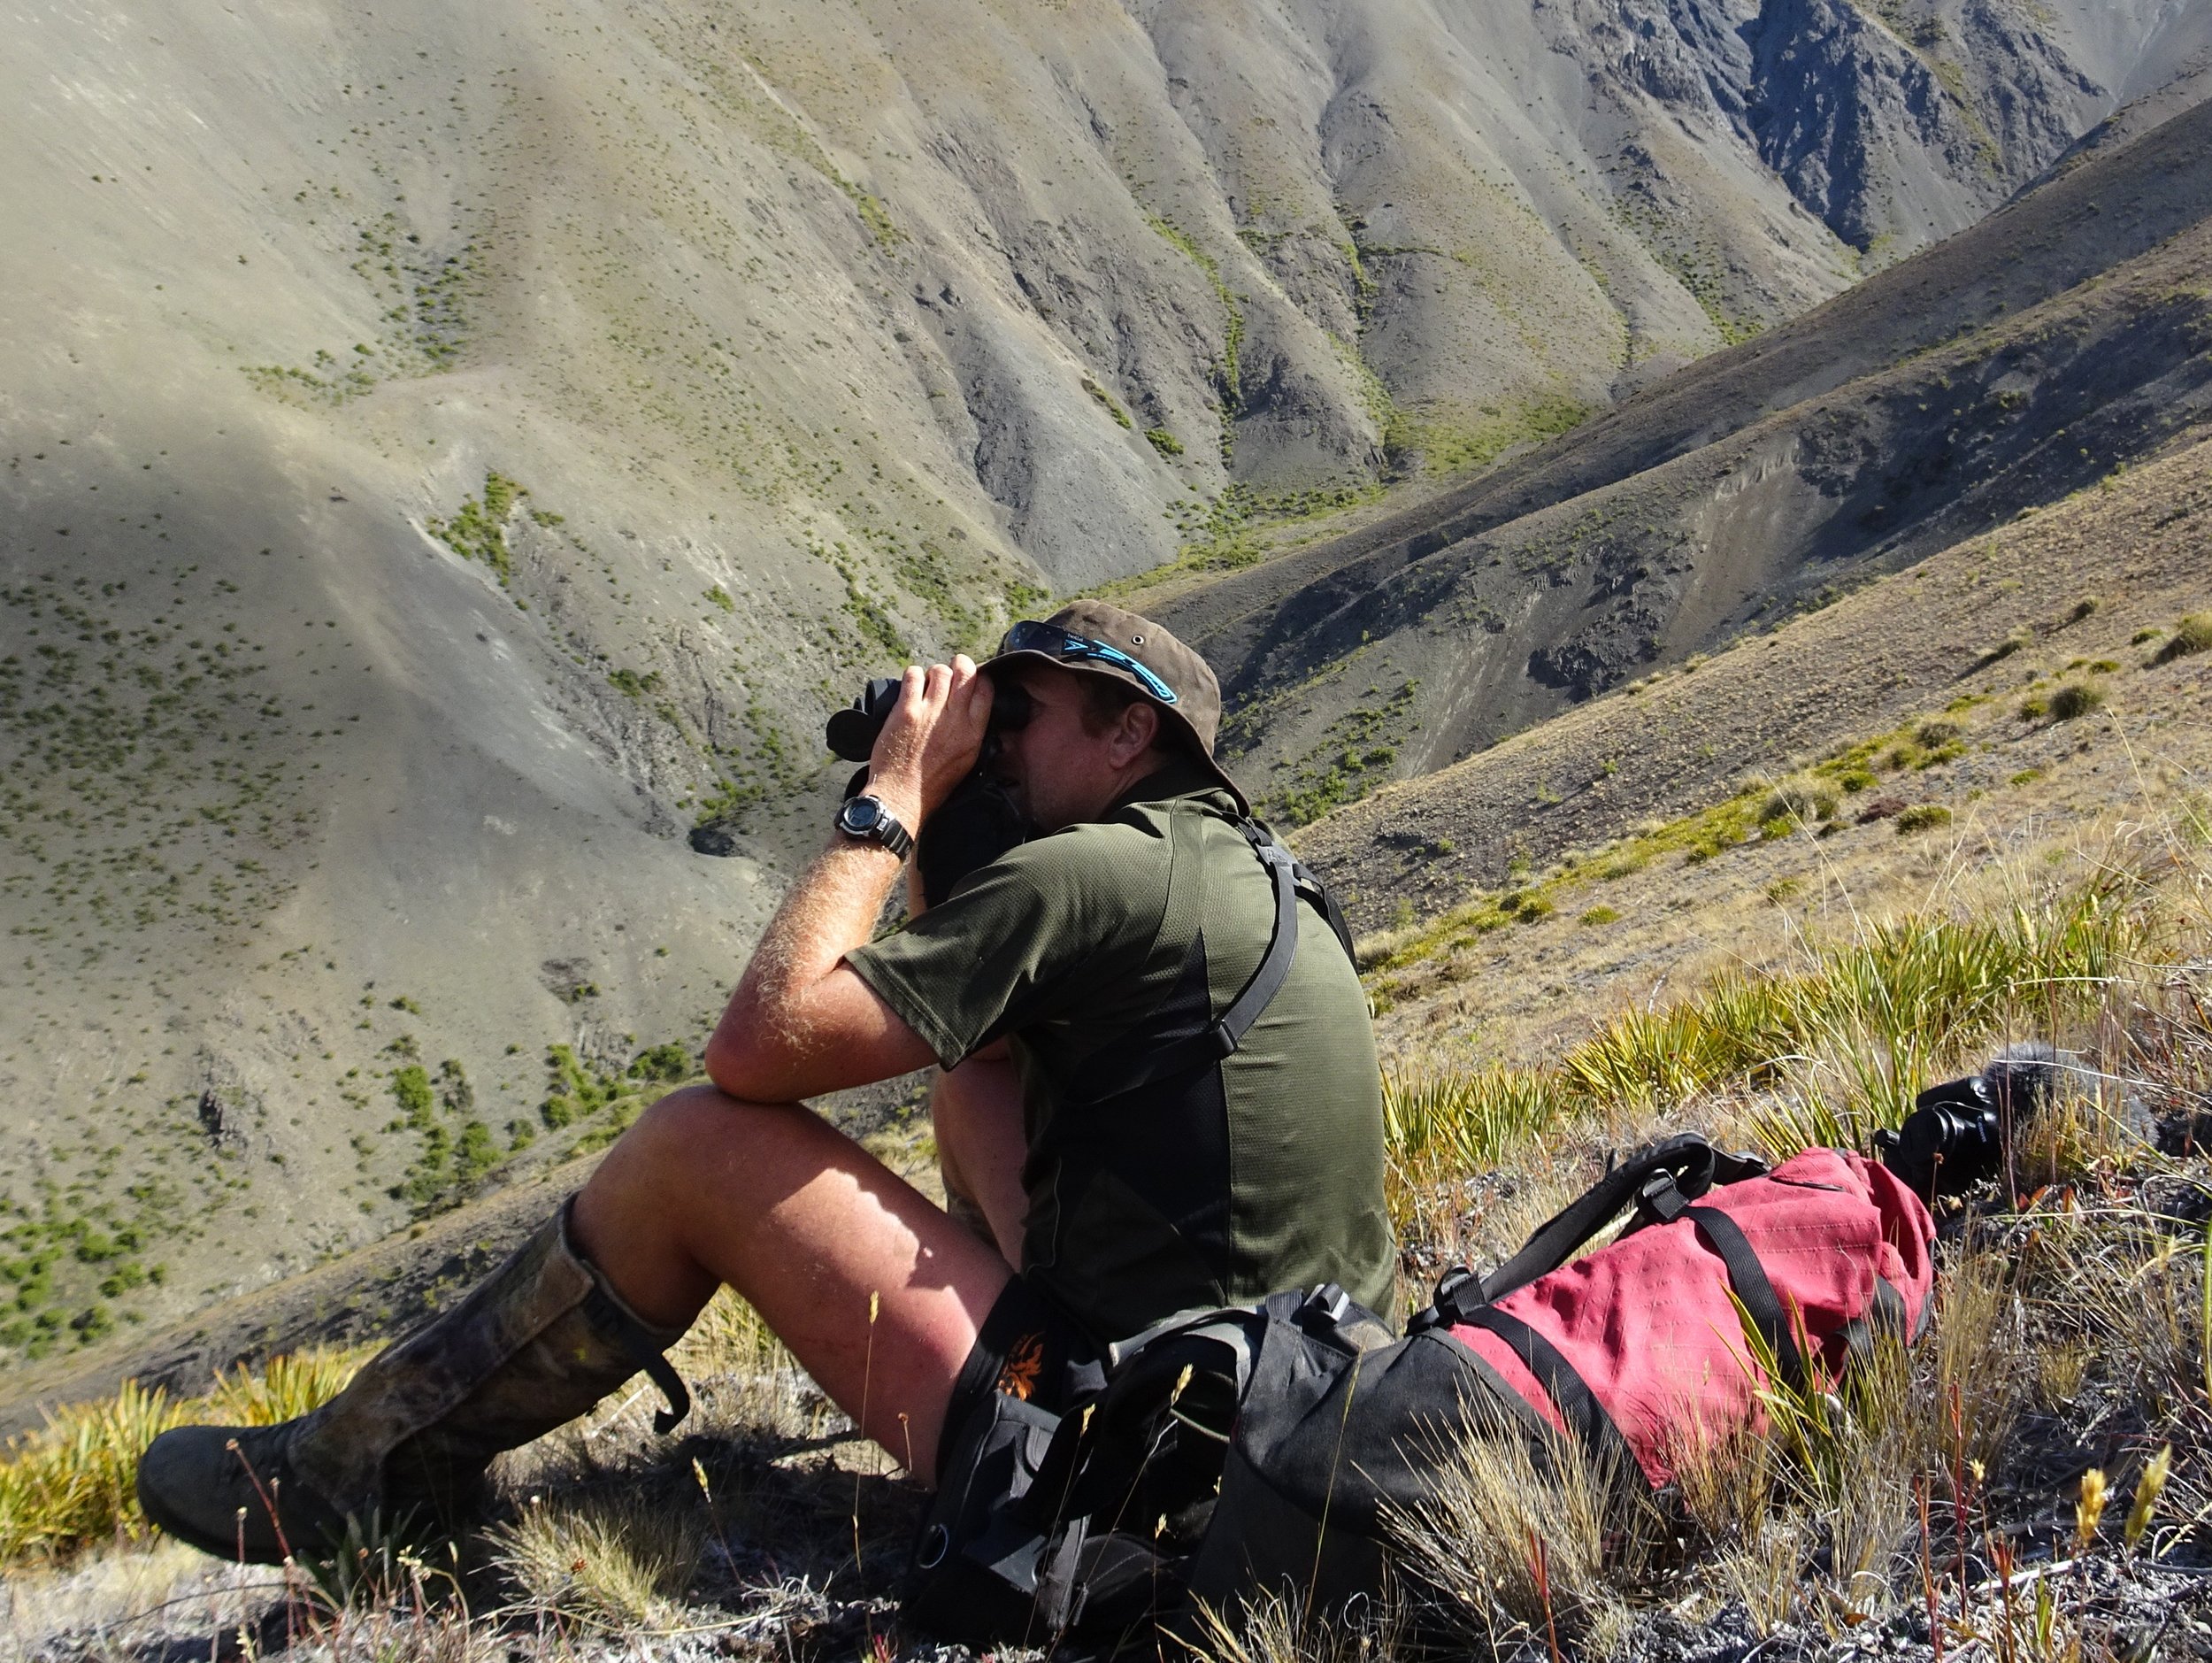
x: 536, y: 1344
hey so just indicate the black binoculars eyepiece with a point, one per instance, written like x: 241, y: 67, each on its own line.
x: 852, y: 731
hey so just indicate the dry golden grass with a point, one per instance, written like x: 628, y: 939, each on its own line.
x: 612, y: 1562
x: 1508, y: 1550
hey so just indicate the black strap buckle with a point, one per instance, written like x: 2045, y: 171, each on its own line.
x: 1660, y: 1197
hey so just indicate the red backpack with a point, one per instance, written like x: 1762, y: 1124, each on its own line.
x: 1639, y: 1351
x: 1643, y: 1343
x: 1315, y: 1424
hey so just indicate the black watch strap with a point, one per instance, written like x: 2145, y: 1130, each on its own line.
x: 881, y: 827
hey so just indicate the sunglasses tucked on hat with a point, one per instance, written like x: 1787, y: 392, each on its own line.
x: 1095, y: 638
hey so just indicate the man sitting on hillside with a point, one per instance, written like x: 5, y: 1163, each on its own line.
x: 1162, y: 1129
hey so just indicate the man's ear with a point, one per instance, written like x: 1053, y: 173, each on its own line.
x: 1136, y: 733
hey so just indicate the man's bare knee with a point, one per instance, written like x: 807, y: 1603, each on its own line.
x: 702, y: 1111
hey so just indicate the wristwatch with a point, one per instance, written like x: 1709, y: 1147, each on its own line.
x: 865, y: 817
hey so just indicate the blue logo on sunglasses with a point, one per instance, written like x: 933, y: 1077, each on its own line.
x: 1050, y: 639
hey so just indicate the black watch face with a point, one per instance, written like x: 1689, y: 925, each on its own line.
x: 862, y: 814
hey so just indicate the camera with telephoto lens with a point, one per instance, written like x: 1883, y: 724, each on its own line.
x: 978, y: 821
x: 1961, y: 1132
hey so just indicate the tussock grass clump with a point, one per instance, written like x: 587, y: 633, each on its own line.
x: 611, y: 1562
x: 1921, y: 817
x: 1515, y: 1551
x: 71, y: 1483
x: 2192, y: 634
x: 1795, y: 803
x: 2076, y: 700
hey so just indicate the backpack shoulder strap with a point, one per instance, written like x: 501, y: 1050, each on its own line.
x: 1689, y: 1166
x: 1747, y: 1276
x: 1223, y: 1037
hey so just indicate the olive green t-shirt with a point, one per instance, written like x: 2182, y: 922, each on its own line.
x: 1090, y: 948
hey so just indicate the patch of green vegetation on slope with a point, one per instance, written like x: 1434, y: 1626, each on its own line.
x: 1227, y: 369
x: 477, y: 530
x: 1355, y: 755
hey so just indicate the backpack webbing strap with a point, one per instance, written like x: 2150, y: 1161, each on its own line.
x: 1570, y: 1394
x: 1314, y: 890
x: 1748, y: 1277
x: 1662, y: 1200
x: 1226, y: 1033
x: 1694, y: 1167
x: 1274, y: 968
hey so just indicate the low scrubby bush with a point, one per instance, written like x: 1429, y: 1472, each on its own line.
x: 1796, y: 803
x: 2192, y: 634
x: 2075, y: 700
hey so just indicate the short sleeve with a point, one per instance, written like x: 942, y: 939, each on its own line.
x: 1035, y: 934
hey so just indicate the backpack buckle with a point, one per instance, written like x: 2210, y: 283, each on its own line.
x: 1662, y: 1198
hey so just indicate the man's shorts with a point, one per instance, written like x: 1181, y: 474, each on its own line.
x: 1029, y: 1349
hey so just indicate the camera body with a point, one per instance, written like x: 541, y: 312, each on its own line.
x: 1961, y: 1132
x: 978, y: 822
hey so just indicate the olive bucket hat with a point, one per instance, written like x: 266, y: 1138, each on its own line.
x: 1095, y: 638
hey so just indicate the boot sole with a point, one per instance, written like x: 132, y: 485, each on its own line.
x: 185, y: 1533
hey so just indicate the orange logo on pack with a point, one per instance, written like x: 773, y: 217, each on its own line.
x: 1024, y: 1361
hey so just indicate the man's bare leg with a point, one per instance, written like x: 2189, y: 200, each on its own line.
x: 807, y: 1227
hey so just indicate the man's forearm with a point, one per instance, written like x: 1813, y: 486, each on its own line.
x: 801, y: 1021
x: 831, y: 910
x: 777, y: 1009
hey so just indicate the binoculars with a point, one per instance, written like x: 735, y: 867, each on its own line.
x: 974, y: 826
x: 852, y: 731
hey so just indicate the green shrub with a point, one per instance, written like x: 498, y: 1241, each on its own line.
x: 668, y: 1062
x: 2193, y: 634
x: 1856, y: 779
x: 1600, y: 914
x: 2034, y: 708
x: 411, y: 1090
x: 2083, y: 608
x: 1165, y: 442
x: 2017, y: 641
x: 1797, y: 803
x: 2075, y: 700
x: 2027, y: 776
x: 2142, y: 636
x: 1923, y: 817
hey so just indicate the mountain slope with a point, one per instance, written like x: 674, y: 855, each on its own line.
x: 1977, y: 636
x: 454, y: 457
x: 2022, y: 360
